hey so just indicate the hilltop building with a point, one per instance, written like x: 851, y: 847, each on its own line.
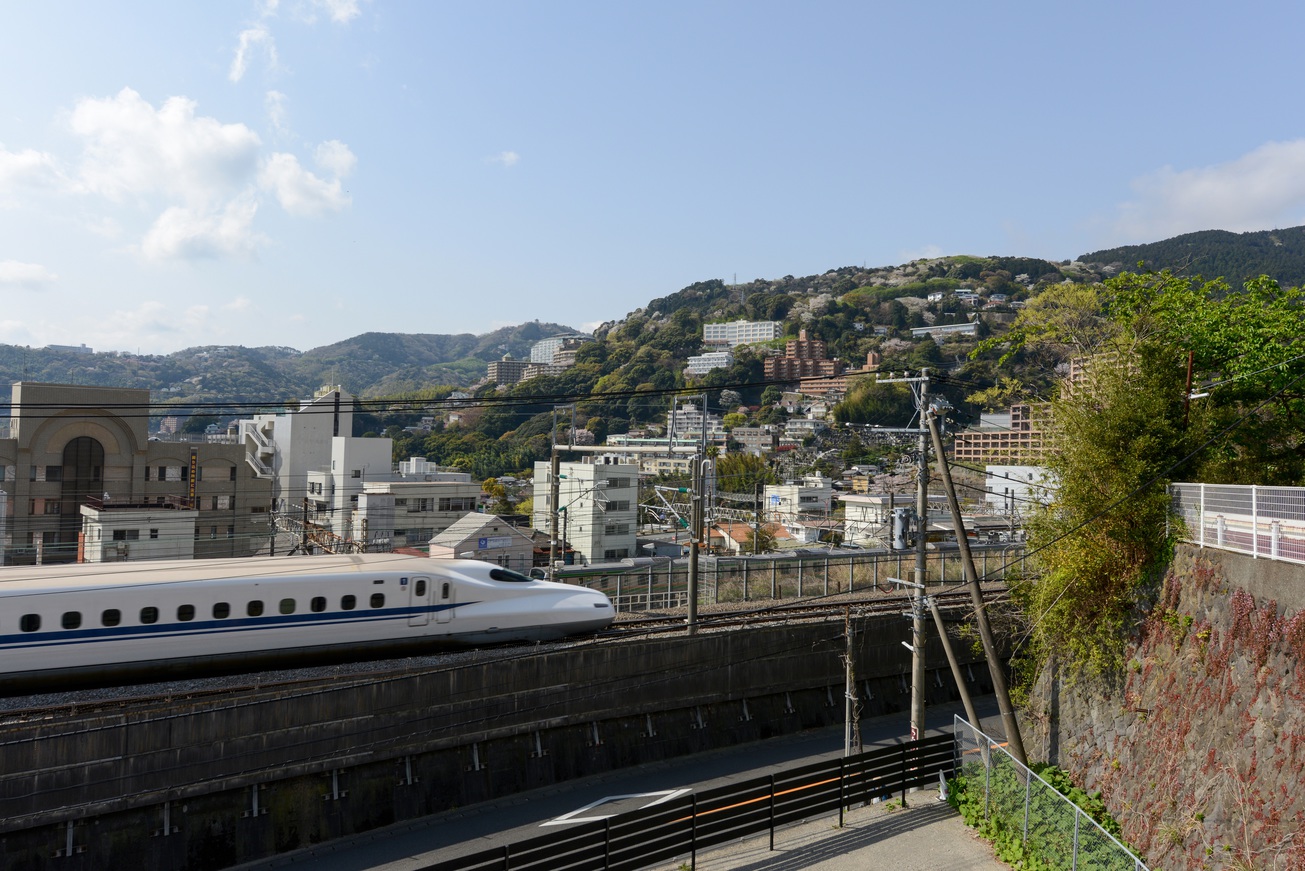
x: 803, y: 358
x: 740, y: 332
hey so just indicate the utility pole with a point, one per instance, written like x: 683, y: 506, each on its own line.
x: 851, y: 710
x: 921, y: 540
x: 920, y: 387
x: 995, y: 668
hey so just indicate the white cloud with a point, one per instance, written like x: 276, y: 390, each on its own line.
x: 16, y: 332
x: 335, y: 157
x: 27, y: 168
x: 239, y: 304
x: 299, y: 191
x: 26, y: 275
x: 341, y: 11
x: 1262, y: 189
x: 506, y: 158
x: 274, y: 102
x: 131, y: 149
x: 250, y: 40
x: 191, y: 234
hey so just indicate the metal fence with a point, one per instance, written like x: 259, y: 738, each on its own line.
x: 1054, y: 829
x: 1260, y: 521
x: 677, y: 829
x: 665, y: 584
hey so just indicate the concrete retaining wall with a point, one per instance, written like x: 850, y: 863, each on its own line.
x: 208, y: 784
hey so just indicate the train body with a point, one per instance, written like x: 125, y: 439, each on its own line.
x: 93, y: 624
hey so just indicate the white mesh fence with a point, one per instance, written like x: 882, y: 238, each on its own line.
x: 1054, y: 829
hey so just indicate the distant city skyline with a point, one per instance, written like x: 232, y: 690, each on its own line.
x: 298, y: 172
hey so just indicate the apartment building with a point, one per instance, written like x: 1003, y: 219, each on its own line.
x: 740, y: 332
x: 1013, y: 438
x: 73, y: 446
x: 804, y: 357
x: 597, y: 508
x: 410, y: 512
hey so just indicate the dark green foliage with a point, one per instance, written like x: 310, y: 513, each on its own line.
x: 1236, y: 257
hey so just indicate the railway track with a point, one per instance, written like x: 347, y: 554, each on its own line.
x: 145, y: 699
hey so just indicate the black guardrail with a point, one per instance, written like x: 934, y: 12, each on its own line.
x: 688, y: 823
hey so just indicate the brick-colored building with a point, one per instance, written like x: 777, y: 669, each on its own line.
x: 803, y: 358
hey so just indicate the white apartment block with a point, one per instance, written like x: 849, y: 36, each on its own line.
x: 1016, y: 489
x: 409, y: 513
x: 687, y: 421
x: 740, y: 332
x: 938, y: 332
x: 704, y: 363
x: 811, y: 495
x: 597, y: 508
x: 544, y: 350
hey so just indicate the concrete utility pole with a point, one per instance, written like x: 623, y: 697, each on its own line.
x: 554, y: 496
x: 920, y: 387
x: 995, y: 668
x: 921, y: 573
x: 695, y: 536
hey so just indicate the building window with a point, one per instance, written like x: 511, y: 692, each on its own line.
x: 231, y: 531
x: 126, y: 535
x: 51, y: 506
x: 619, y: 505
x: 356, y: 473
x: 54, y: 473
x: 232, y: 476
x: 154, y: 533
x: 618, y: 553
x: 457, y: 503
x: 212, y: 532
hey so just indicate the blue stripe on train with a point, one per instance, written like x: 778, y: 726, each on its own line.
x: 61, y: 637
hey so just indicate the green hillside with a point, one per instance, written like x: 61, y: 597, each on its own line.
x: 1235, y: 257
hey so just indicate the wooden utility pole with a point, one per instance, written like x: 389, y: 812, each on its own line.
x: 995, y: 667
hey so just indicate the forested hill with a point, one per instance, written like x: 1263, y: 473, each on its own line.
x: 1235, y: 257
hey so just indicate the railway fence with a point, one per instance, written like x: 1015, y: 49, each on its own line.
x: 677, y: 829
x: 665, y: 583
x: 1053, y: 828
x: 1262, y: 522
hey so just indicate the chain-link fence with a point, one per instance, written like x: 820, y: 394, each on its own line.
x: 1052, y: 827
x: 665, y: 583
x: 1260, y: 521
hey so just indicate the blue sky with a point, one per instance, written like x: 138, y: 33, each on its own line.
x: 299, y: 172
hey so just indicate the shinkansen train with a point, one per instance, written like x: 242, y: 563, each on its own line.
x: 102, y: 623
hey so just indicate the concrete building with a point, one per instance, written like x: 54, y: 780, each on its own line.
x: 1014, y: 438
x: 1016, y: 489
x: 506, y: 372
x: 939, y: 332
x: 485, y: 537
x: 123, y: 533
x: 740, y: 333
x: 803, y: 358
x: 813, y: 494
x: 704, y: 363
x: 597, y: 508
x: 760, y: 440
x: 687, y: 421
x: 545, y: 350
x: 411, y: 511
x: 311, y: 453
x: 72, y: 446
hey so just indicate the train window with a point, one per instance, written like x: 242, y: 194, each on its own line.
x: 318, y: 604
x: 348, y: 603
x: 149, y: 614
x: 185, y: 613
x: 72, y: 619
x: 254, y: 608
x: 30, y: 622
x: 221, y: 610
x: 419, y: 588
x: 378, y: 600
x: 287, y: 606
x: 111, y: 617
x: 508, y: 575
x: 444, y: 590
